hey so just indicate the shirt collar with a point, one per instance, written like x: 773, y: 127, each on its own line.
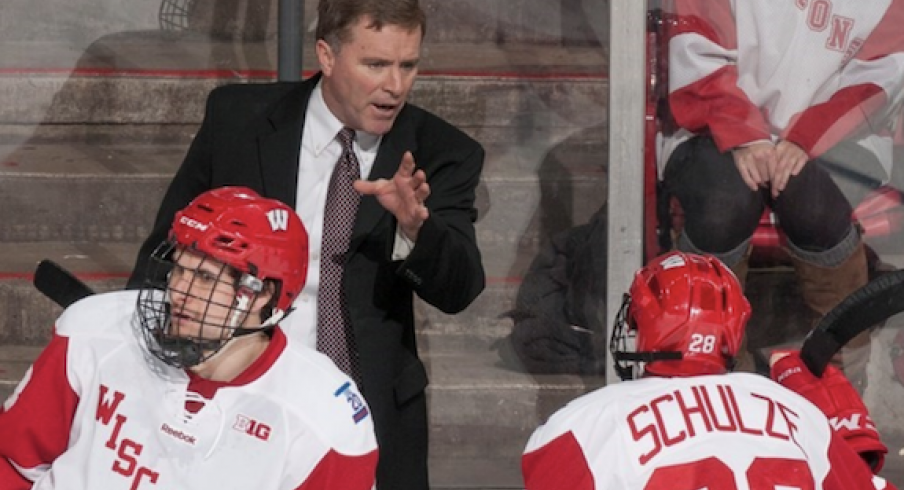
x: 325, y: 126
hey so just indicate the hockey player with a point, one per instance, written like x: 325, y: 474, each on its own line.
x: 689, y: 423
x: 191, y: 384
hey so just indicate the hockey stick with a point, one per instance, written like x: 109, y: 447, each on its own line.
x: 878, y: 300
x: 58, y: 284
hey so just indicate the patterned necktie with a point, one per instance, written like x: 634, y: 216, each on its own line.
x: 335, y: 337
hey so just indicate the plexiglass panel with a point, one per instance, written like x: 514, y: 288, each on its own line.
x: 101, y: 101
x: 799, y: 102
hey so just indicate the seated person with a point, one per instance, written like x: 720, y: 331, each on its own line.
x: 691, y: 423
x: 788, y: 105
x: 190, y: 383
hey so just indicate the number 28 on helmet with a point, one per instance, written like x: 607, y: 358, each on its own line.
x: 686, y: 314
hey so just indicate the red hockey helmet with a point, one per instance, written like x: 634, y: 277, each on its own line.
x: 252, y: 234
x: 687, y: 313
x: 255, y: 241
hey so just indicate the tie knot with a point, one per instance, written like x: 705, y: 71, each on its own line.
x: 346, y: 136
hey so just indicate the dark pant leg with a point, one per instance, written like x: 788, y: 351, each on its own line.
x: 720, y: 211
x: 812, y: 211
x: 403, y: 447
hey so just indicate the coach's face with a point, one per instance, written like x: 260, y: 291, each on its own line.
x: 366, y: 80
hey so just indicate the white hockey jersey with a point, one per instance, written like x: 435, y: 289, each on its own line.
x: 96, y: 411
x: 736, y: 431
x: 813, y: 72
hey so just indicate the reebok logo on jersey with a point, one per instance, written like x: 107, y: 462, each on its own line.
x: 252, y: 427
x: 359, y: 408
x: 178, y: 434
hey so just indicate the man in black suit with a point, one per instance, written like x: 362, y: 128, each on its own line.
x: 414, y: 227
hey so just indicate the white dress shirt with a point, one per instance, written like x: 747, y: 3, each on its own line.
x: 320, y: 150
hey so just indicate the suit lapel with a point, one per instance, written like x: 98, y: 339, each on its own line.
x: 394, y: 144
x: 279, y: 148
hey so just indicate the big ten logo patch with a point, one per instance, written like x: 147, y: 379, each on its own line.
x: 355, y: 402
x: 127, y: 451
x: 252, y: 427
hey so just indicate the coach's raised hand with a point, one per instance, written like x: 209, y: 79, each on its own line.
x: 404, y: 195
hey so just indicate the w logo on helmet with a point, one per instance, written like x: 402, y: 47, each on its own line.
x: 279, y: 219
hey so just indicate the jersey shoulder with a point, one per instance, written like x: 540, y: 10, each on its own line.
x: 324, y: 398
x: 590, y: 413
x: 99, y: 314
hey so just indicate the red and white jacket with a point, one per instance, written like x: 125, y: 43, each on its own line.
x: 95, y: 411
x: 728, y: 432
x: 813, y: 72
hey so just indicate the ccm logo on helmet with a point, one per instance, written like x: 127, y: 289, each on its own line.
x: 191, y: 223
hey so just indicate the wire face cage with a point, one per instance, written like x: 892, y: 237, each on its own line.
x: 175, y: 15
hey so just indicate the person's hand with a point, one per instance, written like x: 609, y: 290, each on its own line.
x: 403, y: 195
x: 790, y: 160
x: 836, y: 397
x: 755, y: 163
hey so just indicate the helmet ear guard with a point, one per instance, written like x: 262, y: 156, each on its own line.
x: 245, y: 293
x: 629, y: 365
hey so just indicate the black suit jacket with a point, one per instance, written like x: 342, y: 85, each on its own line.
x: 251, y: 136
